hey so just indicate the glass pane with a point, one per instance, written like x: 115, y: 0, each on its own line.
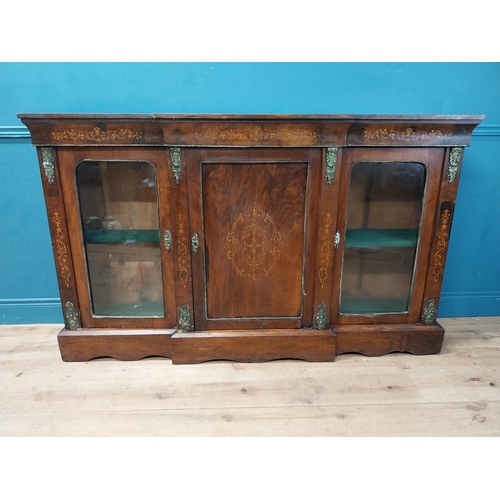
x: 383, y: 218
x: 119, y: 210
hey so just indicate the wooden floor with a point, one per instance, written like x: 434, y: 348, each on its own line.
x: 456, y: 393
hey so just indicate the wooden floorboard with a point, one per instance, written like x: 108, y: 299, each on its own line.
x: 455, y: 393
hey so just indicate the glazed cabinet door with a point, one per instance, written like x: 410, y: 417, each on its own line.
x: 253, y: 215
x: 117, y: 203
x: 387, y: 205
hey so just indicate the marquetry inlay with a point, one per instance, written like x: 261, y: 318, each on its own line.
x: 408, y: 134
x: 96, y: 134
x: 442, y: 241
x: 254, y: 244
x: 62, y: 252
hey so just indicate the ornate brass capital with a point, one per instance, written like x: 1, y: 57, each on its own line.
x: 48, y: 164
x: 331, y: 161
x: 455, y: 156
x: 175, y: 155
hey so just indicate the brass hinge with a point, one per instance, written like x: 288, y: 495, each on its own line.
x: 167, y: 239
x: 336, y: 239
x: 194, y: 243
x: 175, y: 155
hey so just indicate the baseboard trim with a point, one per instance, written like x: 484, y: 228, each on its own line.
x: 459, y: 305
x: 30, y: 311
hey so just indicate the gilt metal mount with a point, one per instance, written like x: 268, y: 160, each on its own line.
x: 320, y: 319
x: 331, y: 161
x: 167, y: 238
x: 455, y: 156
x: 194, y: 243
x: 175, y: 155
x: 71, y: 316
x: 184, y: 320
x: 48, y: 164
x: 429, y: 314
x: 336, y: 240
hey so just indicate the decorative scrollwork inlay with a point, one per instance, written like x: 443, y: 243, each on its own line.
x: 62, y: 253
x: 429, y: 314
x: 442, y: 240
x: 455, y: 156
x: 48, y: 164
x: 182, y: 249
x: 71, y: 316
x: 175, y: 155
x: 96, y: 134
x: 254, y: 244
x: 320, y: 319
x: 257, y: 134
x: 408, y: 134
x: 331, y: 161
x: 325, y: 249
x: 184, y: 320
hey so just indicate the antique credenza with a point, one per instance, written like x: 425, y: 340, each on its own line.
x: 249, y: 237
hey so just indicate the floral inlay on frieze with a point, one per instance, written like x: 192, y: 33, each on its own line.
x: 96, y: 134
x: 407, y: 134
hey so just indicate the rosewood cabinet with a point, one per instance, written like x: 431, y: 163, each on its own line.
x: 249, y: 237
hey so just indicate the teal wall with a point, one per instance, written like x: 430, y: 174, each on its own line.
x: 28, y: 288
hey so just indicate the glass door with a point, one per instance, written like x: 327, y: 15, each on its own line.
x: 119, y: 212
x: 119, y: 204
x: 381, y: 232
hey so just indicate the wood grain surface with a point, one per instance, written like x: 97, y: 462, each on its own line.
x: 456, y: 393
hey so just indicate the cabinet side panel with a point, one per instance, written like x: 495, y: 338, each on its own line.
x: 442, y: 228
x: 56, y: 213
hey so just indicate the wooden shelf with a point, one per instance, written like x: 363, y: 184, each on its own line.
x: 381, y: 238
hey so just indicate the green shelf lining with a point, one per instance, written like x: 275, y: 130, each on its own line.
x: 381, y: 238
x: 148, y: 309
x: 122, y: 236
x: 372, y: 306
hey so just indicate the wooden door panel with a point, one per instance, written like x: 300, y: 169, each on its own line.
x: 254, y: 238
x: 254, y: 231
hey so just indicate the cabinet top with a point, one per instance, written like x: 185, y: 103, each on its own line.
x: 239, y: 130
